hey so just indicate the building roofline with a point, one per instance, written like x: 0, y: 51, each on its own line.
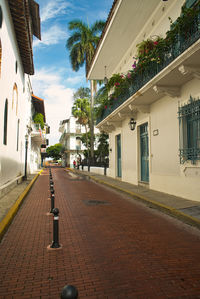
x: 26, y: 21
x: 110, y: 15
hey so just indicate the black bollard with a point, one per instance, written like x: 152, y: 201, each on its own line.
x: 55, y: 242
x: 51, y: 183
x: 69, y: 292
x: 51, y: 189
x: 52, y: 202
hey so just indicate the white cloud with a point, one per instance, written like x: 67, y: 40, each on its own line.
x: 75, y: 80
x: 57, y: 99
x: 52, y: 36
x: 54, y: 9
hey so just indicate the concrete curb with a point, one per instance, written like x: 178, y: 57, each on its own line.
x: 154, y: 204
x: 4, y: 224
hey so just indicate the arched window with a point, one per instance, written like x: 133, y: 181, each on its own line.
x: 1, y: 17
x: 5, y: 128
x: 0, y: 56
x: 15, y: 97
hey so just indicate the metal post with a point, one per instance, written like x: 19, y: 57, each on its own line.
x: 51, y: 189
x: 26, y: 154
x: 52, y: 202
x: 55, y: 242
x: 69, y: 292
x: 104, y: 168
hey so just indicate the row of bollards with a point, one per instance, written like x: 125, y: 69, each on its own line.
x: 55, y: 212
x: 69, y: 291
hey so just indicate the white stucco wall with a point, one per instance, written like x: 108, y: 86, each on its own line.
x: 11, y: 160
x: 19, y: 103
x: 166, y: 174
x: 157, y: 25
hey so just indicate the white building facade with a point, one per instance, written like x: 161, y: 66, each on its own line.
x: 71, y: 131
x: 73, y: 148
x: 163, y: 151
x: 19, y: 20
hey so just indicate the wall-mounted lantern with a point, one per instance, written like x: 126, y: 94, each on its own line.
x: 132, y: 124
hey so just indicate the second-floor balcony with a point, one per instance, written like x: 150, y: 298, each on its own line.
x: 37, y: 134
x: 177, y: 65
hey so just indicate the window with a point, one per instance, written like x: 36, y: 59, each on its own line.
x: 190, y: 3
x: 189, y: 126
x: 0, y: 56
x: 1, y: 17
x: 78, y: 143
x: 18, y: 134
x: 5, y: 123
x: 15, y: 97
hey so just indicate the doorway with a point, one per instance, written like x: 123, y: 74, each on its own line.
x: 119, y: 166
x: 144, y: 152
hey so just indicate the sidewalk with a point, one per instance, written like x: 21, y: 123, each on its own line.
x: 185, y: 210
x: 10, y: 203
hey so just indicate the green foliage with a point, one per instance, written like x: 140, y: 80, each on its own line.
x: 103, y: 147
x: 81, y: 110
x: 86, y: 140
x: 82, y: 93
x: 38, y: 118
x: 149, y: 52
x: 54, y: 151
x: 100, y: 101
x: 182, y: 24
x: 83, y: 41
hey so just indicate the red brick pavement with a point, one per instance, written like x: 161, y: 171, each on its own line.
x: 117, y: 250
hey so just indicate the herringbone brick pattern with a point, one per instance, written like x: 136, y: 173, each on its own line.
x: 112, y: 247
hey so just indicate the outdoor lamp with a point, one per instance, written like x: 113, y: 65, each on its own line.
x: 105, y: 80
x: 132, y: 124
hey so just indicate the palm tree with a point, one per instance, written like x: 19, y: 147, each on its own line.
x: 81, y: 111
x: 82, y: 44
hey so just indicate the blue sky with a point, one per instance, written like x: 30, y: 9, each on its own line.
x: 54, y: 80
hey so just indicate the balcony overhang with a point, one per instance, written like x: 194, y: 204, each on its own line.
x: 26, y: 20
x: 167, y: 82
x: 126, y: 19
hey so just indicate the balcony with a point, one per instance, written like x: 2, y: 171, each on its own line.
x: 37, y: 134
x: 178, y: 65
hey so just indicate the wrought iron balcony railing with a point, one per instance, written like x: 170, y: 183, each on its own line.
x: 182, y: 42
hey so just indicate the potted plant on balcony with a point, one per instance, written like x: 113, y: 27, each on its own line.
x: 38, y: 118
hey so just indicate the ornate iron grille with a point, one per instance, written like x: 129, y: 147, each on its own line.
x: 189, y: 125
x: 182, y: 42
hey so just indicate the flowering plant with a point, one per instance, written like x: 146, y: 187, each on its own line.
x: 151, y: 52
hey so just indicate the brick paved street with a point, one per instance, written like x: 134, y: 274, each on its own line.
x: 113, y: 247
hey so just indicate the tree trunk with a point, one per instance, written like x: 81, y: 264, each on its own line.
x: 87, y: 145
x: 92, y: 119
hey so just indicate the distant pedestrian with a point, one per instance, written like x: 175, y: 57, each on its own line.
x: 74, y: 163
